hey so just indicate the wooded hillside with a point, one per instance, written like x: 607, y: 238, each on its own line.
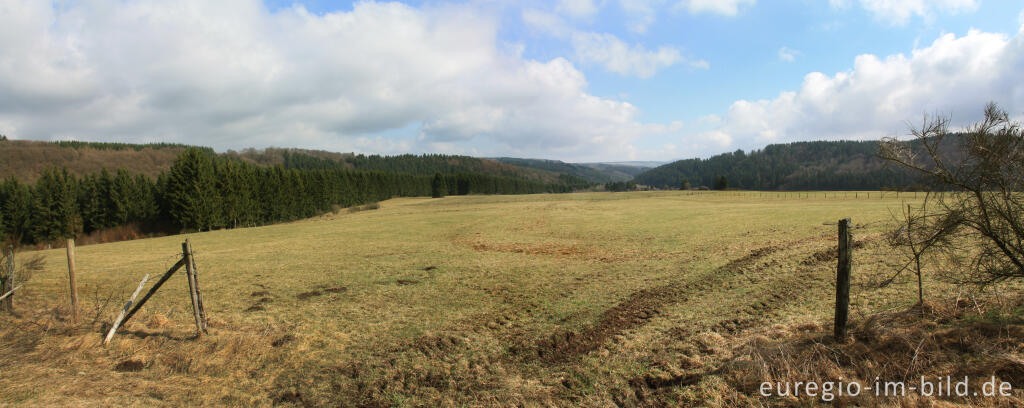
x: 592, y: 172
x: 841, y: 165
x: 26, y: 160
x: 204, y: 191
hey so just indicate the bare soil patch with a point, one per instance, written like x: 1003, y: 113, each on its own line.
x: 307, y: 295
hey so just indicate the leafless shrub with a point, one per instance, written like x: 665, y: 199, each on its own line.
x: 24, y: 267
x: 975, y: 203
x: 918, y: 234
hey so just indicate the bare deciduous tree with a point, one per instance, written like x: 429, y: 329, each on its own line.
x: 976, y: 179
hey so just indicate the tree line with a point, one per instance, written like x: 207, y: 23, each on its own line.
x: 204, y: 191
x: 840, y: 165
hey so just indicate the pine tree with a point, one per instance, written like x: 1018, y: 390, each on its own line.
x: 192, y: 196
x: 15, y: 209
x: 54, y: 207
x: 437, y: 186
x: 721, y: 183
x: 120, y: 198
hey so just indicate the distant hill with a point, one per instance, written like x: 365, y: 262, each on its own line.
x: 26, y: 160
x: 426, y: 164
x: 592, y: 172
x: 838, y: 165
x: 622, y: 171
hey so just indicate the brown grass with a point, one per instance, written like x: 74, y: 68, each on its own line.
x: 899, y: 346
x: 572, y: 300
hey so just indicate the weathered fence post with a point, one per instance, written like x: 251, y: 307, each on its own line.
x: 8, y: 283
x: 186, y: 249
x: 159, y: 283
x: 195, y: 279
x: 120, y: 317
x: 72, y: 282
x: 843, y: 279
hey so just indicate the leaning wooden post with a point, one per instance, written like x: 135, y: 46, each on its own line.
x: 153, y: 290
x: 8, y: 284
x: 843, y: 279
x: 5, y: 295
x: 120, y: 317
x: 195, y: 281
x: 192, y: 286
x: 72, y: 281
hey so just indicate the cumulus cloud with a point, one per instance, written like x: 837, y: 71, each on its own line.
x: 900, y: 11
x: 383, y: 77
x: 607, y: 49
x: 954, y: 75
x: 621, y: 58
x: 720, y: 7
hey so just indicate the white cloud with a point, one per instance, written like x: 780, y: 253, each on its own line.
x: 900, y: 11
x: 640, y: 13
x: 546, y: 23
x: 621, y: 58
x: 953, y: 75
x: 382, y: 77
x: 787, y: 54
x: 721, y: 7
x: 577, y: 8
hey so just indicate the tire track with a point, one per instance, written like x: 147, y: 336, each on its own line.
x: 637, y: 309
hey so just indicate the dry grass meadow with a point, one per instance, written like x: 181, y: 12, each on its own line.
x: 588, y: 299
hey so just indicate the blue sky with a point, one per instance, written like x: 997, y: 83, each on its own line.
x: 575, y: 80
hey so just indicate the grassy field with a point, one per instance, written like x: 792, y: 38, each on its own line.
x: 589, y: 299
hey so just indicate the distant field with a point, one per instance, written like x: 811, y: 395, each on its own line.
x: 460, y: 301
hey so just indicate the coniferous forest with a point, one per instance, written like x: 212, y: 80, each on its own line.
x: 823, y: 165
x: 203, y: 191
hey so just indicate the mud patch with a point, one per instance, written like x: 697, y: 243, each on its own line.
x: 339, y: 289
x: 280, y: 341
x: 292, y: 397
x: 129, y: 366
x: 631, y: 313
x: 636, y: 310
x: 307, y: 295
x: 260, y: 293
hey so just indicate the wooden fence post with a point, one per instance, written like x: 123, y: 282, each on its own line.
x: 843, y: 279
x: 8, y: 282
x: 187, y: 254
x: 156, y: 286
x: 120, y: 317
x: 195, y: 280
x: 72, y: 282
x: 5, y: 295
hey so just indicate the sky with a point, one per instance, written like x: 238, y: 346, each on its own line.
x: 571, y: 80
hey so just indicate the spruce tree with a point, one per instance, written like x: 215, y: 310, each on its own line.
x: 192, y: 196
x: 15, y: 209
x: 120, y: 198
x: 437, y: 186
x: 54, y: 207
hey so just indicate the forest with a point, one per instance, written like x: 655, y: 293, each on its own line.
x: 204, y: 191
x: 823, y: 165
